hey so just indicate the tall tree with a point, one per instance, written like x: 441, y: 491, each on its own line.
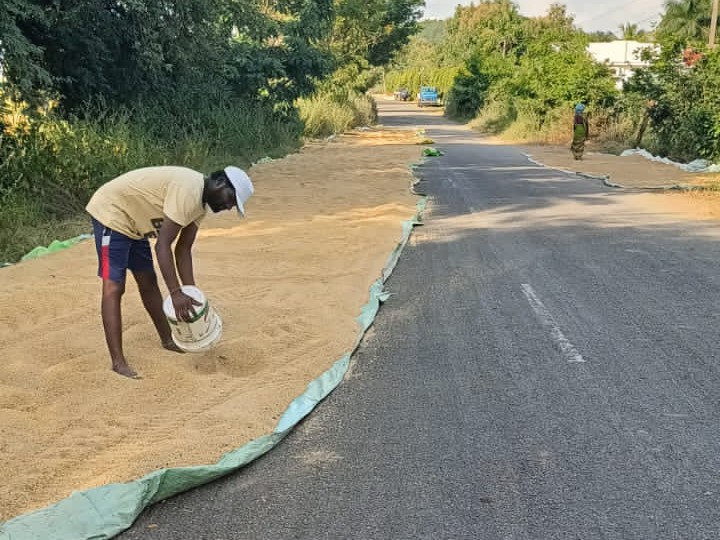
x: 368, y: 33
x: 419, y: 54
x: 371, y: 31
x: 557, y: 69
x: 602, y: 36
x: 21, y: 59
x: 491, y: 25
x: 181, y: 51
x: 685, y: 20
x: 433, y: 30
x: 631, y: 31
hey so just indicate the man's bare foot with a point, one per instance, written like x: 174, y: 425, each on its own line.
x: 125, y: 370
x: 172, y: 346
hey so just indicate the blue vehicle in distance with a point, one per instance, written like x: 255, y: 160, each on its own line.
x: 428, y: 95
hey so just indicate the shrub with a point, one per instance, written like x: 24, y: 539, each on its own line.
x: 50, y: 166
x: 495, y: 117
x: 326, y: 114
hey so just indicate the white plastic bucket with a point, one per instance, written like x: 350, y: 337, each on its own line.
x: 199, y: 333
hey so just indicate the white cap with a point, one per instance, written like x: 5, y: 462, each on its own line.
x: 243, y: 186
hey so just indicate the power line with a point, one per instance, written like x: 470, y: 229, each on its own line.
x: 648, y: 18
x: 615, y: 7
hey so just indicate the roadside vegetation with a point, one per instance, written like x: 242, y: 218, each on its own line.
x: 520, y: 78
x: 90, y: 90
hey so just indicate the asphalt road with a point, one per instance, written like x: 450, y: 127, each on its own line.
x: 546, y: 369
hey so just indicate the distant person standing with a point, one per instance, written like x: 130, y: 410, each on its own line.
x: 580, y: 131
x: 166, y: 203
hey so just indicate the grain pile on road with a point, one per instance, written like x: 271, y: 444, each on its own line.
x: 629, y: 171
x: 288, y: 282
x: 647, y: 177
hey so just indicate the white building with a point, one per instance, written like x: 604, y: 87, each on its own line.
x: 621, y: 56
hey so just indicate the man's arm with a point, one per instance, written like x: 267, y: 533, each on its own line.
x: 183, y: 254
x: 163, y: 249
x: 182, y: 303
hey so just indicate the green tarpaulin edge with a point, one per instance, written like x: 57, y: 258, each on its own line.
x: 54, y: 246
x: 103, y: 512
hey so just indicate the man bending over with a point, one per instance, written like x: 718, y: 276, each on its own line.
x: 166, y: 203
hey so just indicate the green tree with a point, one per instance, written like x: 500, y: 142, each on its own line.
x: 487, y: 40
x: 683, y: 103
x: 21, y: 59
x: 372, y: 31
x: 490, y: 26
x: 602, y: 36
x: 631, y: 31
x: 556, y: 69
x: 685, y: 20
x: 367, y: 34
x: 182, y: 51
x: 419, y: 54
x: 433, y: 31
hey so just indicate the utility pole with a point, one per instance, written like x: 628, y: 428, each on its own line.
x: 713, y: 23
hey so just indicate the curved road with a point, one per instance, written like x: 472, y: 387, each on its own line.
x: 547, y: 368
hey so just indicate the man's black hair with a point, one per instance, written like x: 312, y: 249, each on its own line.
x: 220, y: 176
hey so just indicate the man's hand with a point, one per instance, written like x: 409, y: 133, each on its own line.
x: 184, y: 306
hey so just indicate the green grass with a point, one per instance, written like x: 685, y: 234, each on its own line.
x: 19, y: 237
x: 326, y: 114
x: 49, y: 166
x: 612, y: 133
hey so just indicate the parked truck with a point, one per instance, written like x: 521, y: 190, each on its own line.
x: 401, y: 94
x: 428, y: 95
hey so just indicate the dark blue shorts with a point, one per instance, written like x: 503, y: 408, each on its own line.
x: 117, y: 253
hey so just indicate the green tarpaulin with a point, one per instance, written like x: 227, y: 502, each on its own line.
x: 55, y: 245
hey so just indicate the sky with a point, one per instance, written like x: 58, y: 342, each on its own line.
x: 590, y: 15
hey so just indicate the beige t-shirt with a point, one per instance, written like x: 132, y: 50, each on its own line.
x: 136, y: 202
